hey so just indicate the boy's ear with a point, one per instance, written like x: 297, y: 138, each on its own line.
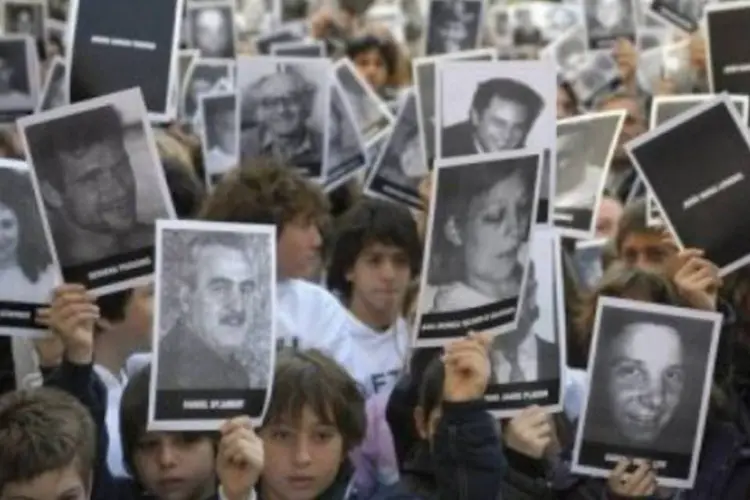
x: 419, y: 423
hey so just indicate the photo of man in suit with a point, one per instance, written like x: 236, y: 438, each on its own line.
x: 501, y: 114
x: 522, y: 355
x: 283, y: 102
x: 219, y: 292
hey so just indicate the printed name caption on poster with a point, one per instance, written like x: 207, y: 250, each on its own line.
x: 122, y: 42
x: 120, y: 268
x: 466, y: 323
x: 517, y: 396
x: 615, y: 457
x: 713, y: 190
x: 213, y: 404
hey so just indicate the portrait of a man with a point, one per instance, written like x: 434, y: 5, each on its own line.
x: 282, y: 103
x: 219, y: 340
x: 221, y: 128
x: 204, y: 78
x: 522, y: 355
x: 86, y: 164
x: 650, y: 378
x: 608, y: 20
x: 525, y: 32
x: 25, y: 19
x: 501, y: 115
x: 453, y: 27
x: 212, y: 31
x: 15, y: 80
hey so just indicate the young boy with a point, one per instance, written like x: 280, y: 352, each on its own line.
x: 376, y: 252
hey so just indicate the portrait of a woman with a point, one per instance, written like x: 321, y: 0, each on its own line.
x: 480, y: 234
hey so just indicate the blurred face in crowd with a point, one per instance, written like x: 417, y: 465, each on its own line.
x: 380, y: 279
x: 23, y: 22
x: 175, y: 466
x: 61, y: 484
x: 220, y: 304
x: 607, y: 218
x: 212, y: 32
x: 371, y: 66
x: 492, y: 234
x: 9, y: 234
x: 634, y: 125
x: 453, y: 34
x: 302, y: 458
x: 645, y: 384
x: 502, y: 125
x: 646, y: 250
x: 6, y: 76
x: 99, y: 189
x: 282, y: 107
x: 298, y: 248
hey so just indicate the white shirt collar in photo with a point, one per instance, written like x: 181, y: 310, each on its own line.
x: 527, y: 360
x: 114, y: 386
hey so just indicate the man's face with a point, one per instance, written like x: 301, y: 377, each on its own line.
x: 495, y: 226
x: 281, y: 107
x: 453, y: 34
x: 212, y: 33
x: 645, y: 384
x: 9, y: 234
x: 173, y: 467
x: 380, y: 278
x: 502, y: 125
x: 61, y: 484
x: 99, y: 187
x: 645, y: 250
x: 221, y: 302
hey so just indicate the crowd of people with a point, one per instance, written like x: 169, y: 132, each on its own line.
x: 355, y: 411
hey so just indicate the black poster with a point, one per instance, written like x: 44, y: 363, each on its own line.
x: 121, y: 44
x: 729, y: 60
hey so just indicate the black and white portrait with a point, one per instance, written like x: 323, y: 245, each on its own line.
x: 684, y: 14
x: 98, y: 178
x: 27, y: 275
x: 666, y: 107
x: 53, y: 95
x: 569, y: 51
x: 371, y: 113
x: 211, y: 29
x: 221, y: 132
x: 204, y: 77
x: 264, y: 42
x: 25, y: 18
x: 114, y: 48
x: 596, y: 75
x: 608, y: 21
x: 453, y: 26
x: 703, y: 207
x: 727, y: 65
x: 347, y: 154
x: 525, y: 31
x: 312, y: 48
x: 285, y: 109
x: 650, y: 370
x: 489, y: 107
x: 588, y: 262
x: 19, y: 76
x: 477, y: 244
x: 527, y: 362
x: 214, y: 302
x: 400, y: 166
x: 425, y: 84
x: 585, y: 145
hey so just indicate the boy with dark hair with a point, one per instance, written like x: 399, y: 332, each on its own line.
x: 47, y: 446
x: 375, y: 253
x: 637, y: 243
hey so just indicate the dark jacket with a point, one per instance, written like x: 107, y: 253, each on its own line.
x: 466, y: 461
x: 458, y: 140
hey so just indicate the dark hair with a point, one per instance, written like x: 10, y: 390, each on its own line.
x: 134, y: 418
x: 310, y: 379
x: 456, y: 189
x: 510, y: 89
x: 112, y: 306
x: 387, y: 50
x: 16, y: 193
x: 368, y: 222
x: 565, y: 87
x: 69, y: 134
x: 633, y: 221
x: 184, y: 186
x: 44, y: 430
x: 265, y: 191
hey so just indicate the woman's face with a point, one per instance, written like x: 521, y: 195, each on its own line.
x: 371, y: 66
x: 495, y: 226
x: 8, y: 234
x: 645, y: 384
